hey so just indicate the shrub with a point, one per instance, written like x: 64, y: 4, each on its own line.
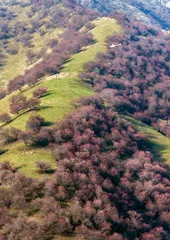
x: 43, y: 167
x: 12, y: 51
x: 3, y: 93
x: 43, y: 137
x: 18, y: 103
x: 9, y: 135
x: 40, y: 92
x: 5, y: 117
x: 33, y: 103
x: 26, y: 137
x: 35, y: 122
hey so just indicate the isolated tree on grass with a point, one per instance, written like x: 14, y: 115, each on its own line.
x: 9, y: 135
x: 40, y: 92
x: 17, y: 103
x: 32, y: 103
x: 43, y: 137
x: 35, y: 122
x: 20, y: 102
x: 43, y: 167
x: 25, y: 136
x: 5, y: 117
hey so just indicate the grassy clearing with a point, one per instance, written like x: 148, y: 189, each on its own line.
x: 24, y: 158
x: 58, y: 101
x: 54, y: 106
x: 105, y: 27
x: 63, y: 90
x: 158, y: 143
x: 14, y: 65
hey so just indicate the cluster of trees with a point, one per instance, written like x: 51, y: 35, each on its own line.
x: 2, y: 57
x: 57, y: 15
x: 94, y: 129
x: 6, y: 31
x: 135, y: 73
x: 106, y: 185
x: 62, y: 14
x: 40, y: 92
x: 42, y: 16
x: 114, y: 188
x: 33, y: 57
x: 19, y: 103
x: 35, y: 134
x: 5, y: 117
x: 66, y: 15
x: 52, y: 63
x: 3, y: 93
x: 120, y: 192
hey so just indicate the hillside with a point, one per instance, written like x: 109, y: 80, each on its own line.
x: 153, y: 11
x: 158, y: 143
x: 63, y: 88
x: 84, y: 120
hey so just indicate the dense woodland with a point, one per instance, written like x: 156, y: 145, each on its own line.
x: 106, y: 185
x: 135, y: 75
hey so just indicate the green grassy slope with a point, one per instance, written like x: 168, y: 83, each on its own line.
x: 157, y: 143
x: 105, y: 27
x: 63, y: 90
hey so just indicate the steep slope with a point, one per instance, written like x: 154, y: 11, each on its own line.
x: 23, y: 41
x: 153, y: 11
x: 134, y: 81
x: 158, y: 143
x: 96, y: 176
x: 63, y: 88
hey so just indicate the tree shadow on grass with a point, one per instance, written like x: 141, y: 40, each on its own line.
x: 30, y: 87
x: 24, y: 112
x: 156, y: 149
x: 3, y: 151
x: 47, y: 124
x: 47, y: 94
x: 50, y: 171
x: 42, y: 108
x: 19, y: 167
x: 152, y: 144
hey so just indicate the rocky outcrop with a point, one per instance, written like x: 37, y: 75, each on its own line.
x: 156, y: 12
